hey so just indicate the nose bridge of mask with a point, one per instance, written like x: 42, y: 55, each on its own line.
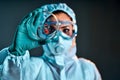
x: 60, y: 44
x: 63, y: 44
x: 60, y: 39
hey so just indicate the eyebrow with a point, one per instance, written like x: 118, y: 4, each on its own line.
x: 65, y: 26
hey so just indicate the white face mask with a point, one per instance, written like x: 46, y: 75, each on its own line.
x: 59, y: 48
x: 58, y: 45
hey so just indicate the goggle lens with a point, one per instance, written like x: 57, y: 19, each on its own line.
x: 64, y: 26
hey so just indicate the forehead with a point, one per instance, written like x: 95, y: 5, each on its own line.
x: 61, y: 16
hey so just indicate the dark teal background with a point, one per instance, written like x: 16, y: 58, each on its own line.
x: 98, y: 29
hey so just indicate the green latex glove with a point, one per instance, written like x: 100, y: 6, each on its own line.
x: 26, y: 34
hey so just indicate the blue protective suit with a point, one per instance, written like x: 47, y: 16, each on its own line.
x: 58, y: 67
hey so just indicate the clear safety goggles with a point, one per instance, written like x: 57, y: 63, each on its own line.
x: 66, y: 27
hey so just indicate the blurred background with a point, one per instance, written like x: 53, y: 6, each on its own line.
x: 98, y: 29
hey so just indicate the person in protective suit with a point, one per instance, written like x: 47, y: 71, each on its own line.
x: 52, y: 26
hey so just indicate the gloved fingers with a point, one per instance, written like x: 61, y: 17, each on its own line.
x: 30, y: 24
x: 22, y: 25
x: 30, y: 21
x: 26, y: 18
x: 35, y: 18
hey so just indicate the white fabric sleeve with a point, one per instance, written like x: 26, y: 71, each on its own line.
x: 7, y: 59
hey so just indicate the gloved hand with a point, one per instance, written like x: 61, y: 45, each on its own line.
x: 26, y: 34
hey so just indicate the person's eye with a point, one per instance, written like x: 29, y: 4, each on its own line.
x: 66, y: 30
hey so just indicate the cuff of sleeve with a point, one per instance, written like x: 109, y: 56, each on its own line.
x: 15, y: 59
x: 22, y: 57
